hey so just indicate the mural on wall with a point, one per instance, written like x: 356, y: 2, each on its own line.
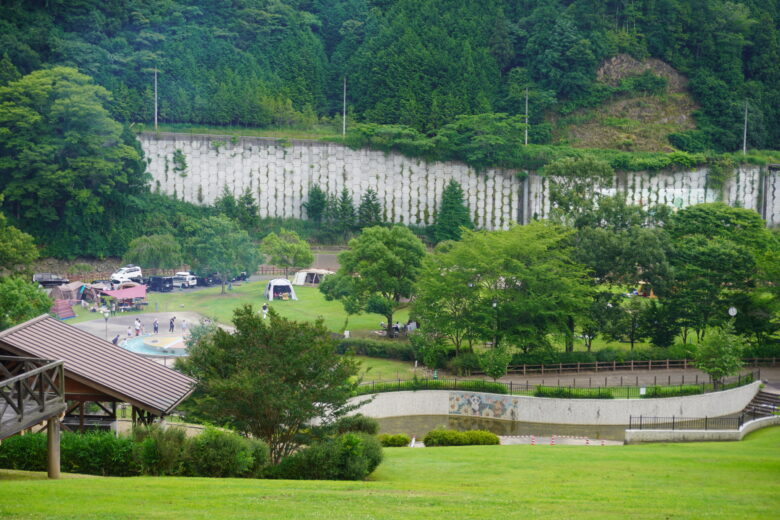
x: 484, y: 405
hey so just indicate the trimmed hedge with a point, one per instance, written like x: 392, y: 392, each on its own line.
x: 394, y: 440
x: 672, y: 391
x: 149, y: 451
x: 385, y: 349
x: 560, y: 392
x: 456, y: 438
x: 432, y: 384
x: 357, y: 423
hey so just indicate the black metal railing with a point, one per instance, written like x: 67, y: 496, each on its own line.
x: 30, y: 389
x: 582, y: 388
x: 686, y: 423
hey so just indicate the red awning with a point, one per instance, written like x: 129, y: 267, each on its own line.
x: 138, y: 291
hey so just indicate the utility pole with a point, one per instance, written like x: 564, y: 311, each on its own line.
x: 744, y: 131
x: 526, y: 116
x: 155, y: 99
x: 344, y: 111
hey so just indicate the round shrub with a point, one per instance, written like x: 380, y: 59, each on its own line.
x: 444, y: 438
x: 352, y: 456
x: 357, y: 423
x: 25, y: 452
x: 481, y: 438
x: 397, y: 440
x: 215, y: 453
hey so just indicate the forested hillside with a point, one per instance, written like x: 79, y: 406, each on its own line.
x: 419, y: 63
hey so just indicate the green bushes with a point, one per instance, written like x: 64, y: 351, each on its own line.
x: 215, y: 453
x: 148, y: 451
x: 98, y: 453
x: 672, y: 391
x: 394, y: 440
x: 351, y: 456
x: 559, y: 392
x: 358, y: 424
x: 456, y: 438
x: 433, y: 384
x: 25, y: 452
x: 385, y: 349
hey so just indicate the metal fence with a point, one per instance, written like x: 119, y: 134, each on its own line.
x: 611, y: 366
x: 685, y: 423
x: 582, y: 391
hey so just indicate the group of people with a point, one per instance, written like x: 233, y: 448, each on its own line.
x: 139, y: 329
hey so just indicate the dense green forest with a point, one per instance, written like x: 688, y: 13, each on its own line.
x: 419, y: 63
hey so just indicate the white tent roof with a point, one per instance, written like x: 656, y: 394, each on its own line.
x: 279, y: 283
x: 300, y: 276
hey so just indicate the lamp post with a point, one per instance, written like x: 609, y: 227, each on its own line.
x: 106, y: 314
x: 495, y: 330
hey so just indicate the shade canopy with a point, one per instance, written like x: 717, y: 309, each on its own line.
x: 137, y: 291
x: 276, y: 289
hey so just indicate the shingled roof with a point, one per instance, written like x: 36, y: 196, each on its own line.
x: 123, y: 375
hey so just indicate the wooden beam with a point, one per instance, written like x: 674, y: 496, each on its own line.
x: 53, y: 441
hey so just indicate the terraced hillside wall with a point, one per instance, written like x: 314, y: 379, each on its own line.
x: 196, y: 168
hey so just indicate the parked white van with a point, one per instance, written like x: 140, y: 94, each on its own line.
x: 184, y: 280
x: 128, y: 273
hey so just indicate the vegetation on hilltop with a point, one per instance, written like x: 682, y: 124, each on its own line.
x: 419, y: 63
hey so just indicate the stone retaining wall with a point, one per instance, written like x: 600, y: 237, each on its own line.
x: 642, y: 436
x: 279, y: 173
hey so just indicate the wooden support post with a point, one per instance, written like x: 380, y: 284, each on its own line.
x: 53, y: 440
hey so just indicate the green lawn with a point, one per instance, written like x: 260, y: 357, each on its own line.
x: 310, y: 305
x: 315, y: 132
x: 707, y: 480
x: 376, y: 369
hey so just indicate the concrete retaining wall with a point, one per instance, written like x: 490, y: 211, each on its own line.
x: 642, y: 436
x: 556, y: 411
x: 279, y: 173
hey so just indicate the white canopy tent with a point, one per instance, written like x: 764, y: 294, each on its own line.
x: 277, y: 288
x: 310, y: 276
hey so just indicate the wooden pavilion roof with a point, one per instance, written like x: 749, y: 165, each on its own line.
x: 98, y: 365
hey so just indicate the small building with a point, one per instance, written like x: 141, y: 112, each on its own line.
x: 310, y: 277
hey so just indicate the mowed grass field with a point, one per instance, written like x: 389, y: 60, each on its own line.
x: 703, y: 480
x: 310, y: 305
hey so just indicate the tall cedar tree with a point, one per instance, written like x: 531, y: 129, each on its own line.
x: 370, y: 210
x: 453, y: 215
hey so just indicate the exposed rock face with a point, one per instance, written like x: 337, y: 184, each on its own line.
x: 623, y: 65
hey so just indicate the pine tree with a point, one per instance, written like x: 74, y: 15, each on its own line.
x: 453, y: 214
x: 370, y: 210
x: 316, y: 205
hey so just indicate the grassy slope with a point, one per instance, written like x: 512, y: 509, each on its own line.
x: 708, y: 480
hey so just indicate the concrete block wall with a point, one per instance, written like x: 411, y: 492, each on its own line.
x: 565, y: 411
x: 279, y: 173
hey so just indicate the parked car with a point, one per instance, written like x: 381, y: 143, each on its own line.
x: 184, y: 280
x: 160, y: 283
x: 128, y: 273
x: 49, y: 279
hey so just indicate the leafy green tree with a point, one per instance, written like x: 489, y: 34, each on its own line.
x: 270, y: 378
x: 369, y: 211
x: 344, y: 214
x: 287, y: 250
x: 66, y: 165
x: 574, y: 185
x: 453, y: 214
x: 741, y: 226
x: 495, y: 361
x: 8, y: 72
x: 154, y: 251
x: 219, y: 246
x: 626, y: 320
x: 16, y: 247
x: 20, y: 301
x: 384, y: 264
x: 512, y: 287
x: 720, y: 354
x: 316, y: 204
